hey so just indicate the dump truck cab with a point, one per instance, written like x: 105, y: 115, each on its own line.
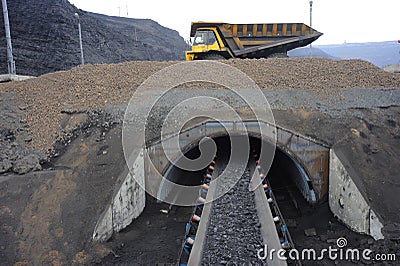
x: 217, y: 40
x: 207, y: 43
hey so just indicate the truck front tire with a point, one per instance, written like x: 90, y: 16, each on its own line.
x: 214, y: 57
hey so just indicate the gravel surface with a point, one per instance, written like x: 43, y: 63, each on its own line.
x: 233, y: 235
x: 94, y: 86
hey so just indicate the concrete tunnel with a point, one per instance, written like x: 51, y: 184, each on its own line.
x: 313, y: 168
x: 285, y: 170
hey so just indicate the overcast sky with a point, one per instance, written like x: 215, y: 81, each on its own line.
x: 340, y: 20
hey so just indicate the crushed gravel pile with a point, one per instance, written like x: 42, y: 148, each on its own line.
x: 94, y: 86
x: 316, y: 74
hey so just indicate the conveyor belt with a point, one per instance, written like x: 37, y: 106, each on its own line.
x: 233, y: 228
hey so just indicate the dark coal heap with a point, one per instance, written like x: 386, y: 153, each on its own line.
x: 45, y: 38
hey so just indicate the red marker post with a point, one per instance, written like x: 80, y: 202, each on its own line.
x: 398, y: 42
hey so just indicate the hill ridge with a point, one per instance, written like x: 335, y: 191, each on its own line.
x: 45, y: 38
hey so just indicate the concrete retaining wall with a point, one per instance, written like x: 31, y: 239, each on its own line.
x: 348, y: 204
x: 126, y: 205
x: 10, y: 77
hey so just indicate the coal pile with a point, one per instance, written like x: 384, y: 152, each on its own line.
x: 45, y: 38
x: 15, y: 154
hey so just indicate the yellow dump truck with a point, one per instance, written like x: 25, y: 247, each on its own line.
x: 222, y: 40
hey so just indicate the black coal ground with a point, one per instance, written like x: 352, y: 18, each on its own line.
x: 152, y: 239
x: 15, y: 154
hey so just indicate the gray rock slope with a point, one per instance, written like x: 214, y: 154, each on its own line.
x: 45, y: 38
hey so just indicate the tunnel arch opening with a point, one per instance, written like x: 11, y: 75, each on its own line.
x: 285, y: 168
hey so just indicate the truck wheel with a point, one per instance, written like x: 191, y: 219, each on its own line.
x: 214, y: 57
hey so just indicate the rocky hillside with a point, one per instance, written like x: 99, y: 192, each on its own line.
x: 380, y: 54
x: 45, y: 38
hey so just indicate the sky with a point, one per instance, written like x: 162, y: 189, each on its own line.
x: 341, y: 21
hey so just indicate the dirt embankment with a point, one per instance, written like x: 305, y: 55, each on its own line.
x: 371, y: 135
x: 95, y: 86
x: 46, y: 109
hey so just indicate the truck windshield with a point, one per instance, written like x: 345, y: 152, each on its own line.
x: 204, y: 37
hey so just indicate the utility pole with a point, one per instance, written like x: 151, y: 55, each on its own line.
x: 80, y: 38
x: 10, y: 58
x: 311, y: 4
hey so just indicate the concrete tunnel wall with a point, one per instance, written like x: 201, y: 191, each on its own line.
x: 127, y: 203
x: 345, y: 200
x: 286, y: 166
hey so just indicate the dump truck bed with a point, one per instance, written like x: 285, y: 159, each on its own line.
x: 261, y: 40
